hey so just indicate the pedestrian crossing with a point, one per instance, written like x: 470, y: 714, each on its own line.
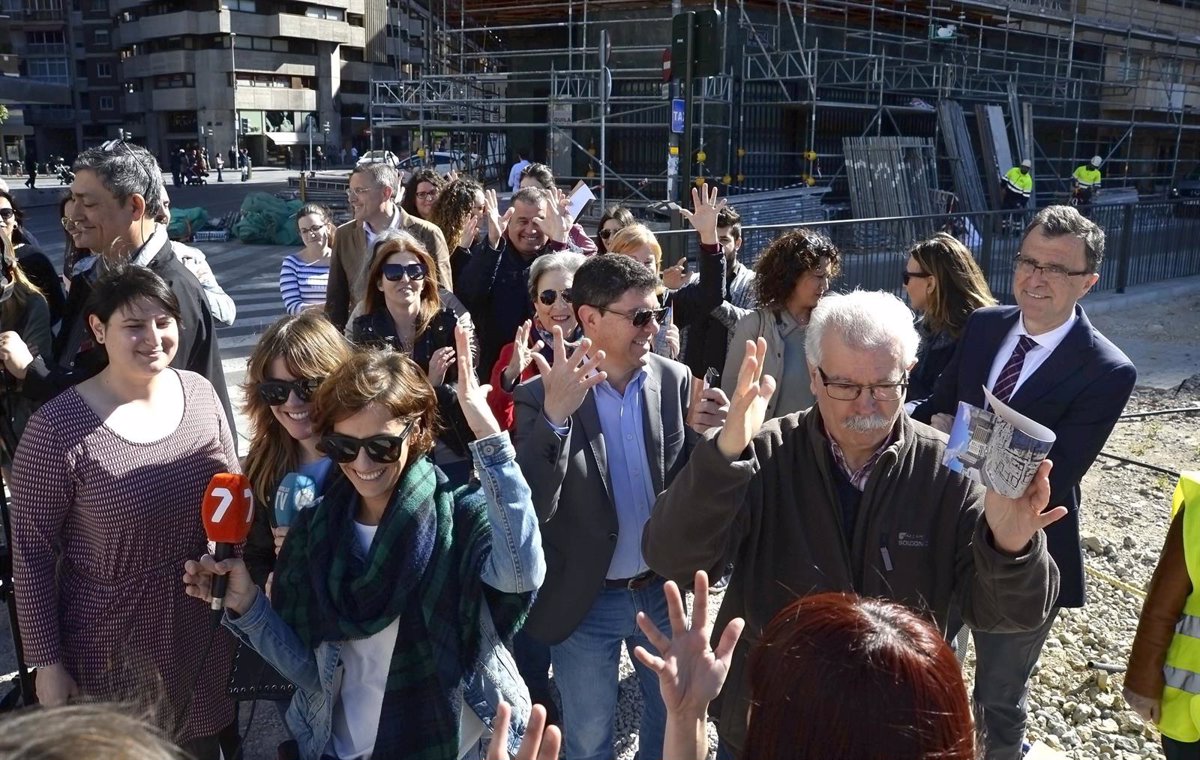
x: 250, y: 275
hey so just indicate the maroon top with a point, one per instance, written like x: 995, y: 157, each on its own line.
x: 101, y: 529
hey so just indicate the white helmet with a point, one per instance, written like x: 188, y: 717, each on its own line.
x: 1027, y: 164
x: 1096, y: 161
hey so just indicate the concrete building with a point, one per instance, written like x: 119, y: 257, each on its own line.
x: 186, y: 73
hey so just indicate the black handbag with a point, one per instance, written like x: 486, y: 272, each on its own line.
x: 252, y: 677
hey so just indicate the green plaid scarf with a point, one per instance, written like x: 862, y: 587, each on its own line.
x: 423, y: 567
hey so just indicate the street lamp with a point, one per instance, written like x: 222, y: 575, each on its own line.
x: 310, y: 126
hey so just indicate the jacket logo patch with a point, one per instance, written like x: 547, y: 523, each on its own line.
x: 912, y: 540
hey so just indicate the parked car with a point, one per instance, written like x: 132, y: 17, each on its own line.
x: 444, y: 161
x: 378, y: 156
x: 1187, y: 192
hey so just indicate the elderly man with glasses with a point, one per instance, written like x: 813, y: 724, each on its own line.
x: 1044, y: 359
x: 115, y: 202
x: 849, y: 495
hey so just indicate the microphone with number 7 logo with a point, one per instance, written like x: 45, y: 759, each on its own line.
x: 228, y: 510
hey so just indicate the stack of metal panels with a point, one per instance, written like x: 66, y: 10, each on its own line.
x: 997, y: 153
x: 889, y: 177
x: 789, y: 206
x: 952, y: 123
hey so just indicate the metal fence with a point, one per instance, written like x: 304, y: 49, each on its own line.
x: 1145, y: 243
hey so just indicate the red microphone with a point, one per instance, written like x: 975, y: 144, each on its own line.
x: 228, y: 510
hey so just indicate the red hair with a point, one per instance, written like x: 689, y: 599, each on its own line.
x: 836, y: 676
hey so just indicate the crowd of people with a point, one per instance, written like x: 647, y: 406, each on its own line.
x: 524, y: 445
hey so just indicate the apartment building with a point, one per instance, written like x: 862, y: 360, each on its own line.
x: 260, y: 74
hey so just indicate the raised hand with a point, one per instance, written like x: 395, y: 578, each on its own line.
x: 472, y: 397
x: 672, y: 339
x: 497, y: 224
x: 676, y: 277
x: 541, y: 742
x: 522, y: 353
x: 1014, y: 522
x: 14, y: 354
x: 690, y: 674
x: 557, y: 221
x: 438, y: 364
x: 470, y: 231
x: 748, y: 407
x: 567, y: 382
x: 703, y: 215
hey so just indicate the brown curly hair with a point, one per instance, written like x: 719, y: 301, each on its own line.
x: 788, y: 258
x: 453, y: 207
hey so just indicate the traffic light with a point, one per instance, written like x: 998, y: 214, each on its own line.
x: 706, y: 43
x: 245, y: 126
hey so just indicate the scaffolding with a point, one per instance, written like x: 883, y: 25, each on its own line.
x: 1074, y: 78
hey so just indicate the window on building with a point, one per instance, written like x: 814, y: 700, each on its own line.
x: 99, y: 6
x: 104, y: 70
x: 1129, y: 68
x: 245, y: 6
x: 102, y: 38
x: 106, y: 103
x: 330, y: 14
x: 53, y: 70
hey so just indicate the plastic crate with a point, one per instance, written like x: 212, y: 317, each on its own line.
x: 210, y: 236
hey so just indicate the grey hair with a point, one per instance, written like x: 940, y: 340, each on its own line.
x: 84, y: 730
x: 382, y: 174
x: 863, y: 319
x: 563, y: 261
x: 125, y: 170
x: 1057, y: 221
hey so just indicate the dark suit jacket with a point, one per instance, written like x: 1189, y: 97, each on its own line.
x: 1078, y: 392
x: 572, y: 490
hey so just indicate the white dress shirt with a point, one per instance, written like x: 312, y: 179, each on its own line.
x: 1046, y: 343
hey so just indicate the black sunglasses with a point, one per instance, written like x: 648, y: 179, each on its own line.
x: 909, y: 275
x: 549, y: 296
x: 641, y: 317
x: 606, y: 234
x: 397, y: 272
x: 384, y: 449
x: 7, y: 213
x: 276, y: 392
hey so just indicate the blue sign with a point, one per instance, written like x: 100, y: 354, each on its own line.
x: 677, y: 115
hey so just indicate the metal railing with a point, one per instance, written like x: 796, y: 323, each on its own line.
x: 1145, y: 243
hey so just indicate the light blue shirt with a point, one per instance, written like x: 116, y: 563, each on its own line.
x: 621, y: 421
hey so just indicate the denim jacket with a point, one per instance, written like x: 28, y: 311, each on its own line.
x: 515, y: 565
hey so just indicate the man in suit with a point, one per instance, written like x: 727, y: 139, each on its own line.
x: 1045, y: 360
x: 599, y: 435
x: 376, y: 208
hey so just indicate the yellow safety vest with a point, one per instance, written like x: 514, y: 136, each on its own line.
x: 1021, y: 182
x: 1181, y: 695
x: 1086, y: 176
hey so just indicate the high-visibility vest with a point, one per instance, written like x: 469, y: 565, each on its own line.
x: 1086, y: 176
x: 1181, y: 671
x: 1020, y: 182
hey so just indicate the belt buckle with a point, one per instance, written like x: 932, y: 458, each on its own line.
x: 639, y: 581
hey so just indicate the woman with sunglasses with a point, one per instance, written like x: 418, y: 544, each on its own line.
x: 407, y: 311
x: 107, y: 484
x: 421, y: 192
x: 550, y: 278
x: 304, y: 276
x: 792, y: 275
x: 37, y: 266
x: 613, y: 220
x: 394, y: 596
x: 282, y: 374
x: 944, y: 286
x: 457, y: 213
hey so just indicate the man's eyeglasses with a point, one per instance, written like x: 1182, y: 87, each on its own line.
x: 549, y: 297
x: 357, y: 192
x: 397, y: 272
x: 428, y: 196
x: 313, y: 230
x: 851, y: 391
x: 919, y: 275
x: 7, y: 213
x: 641, y: 317
x: 275, y: 392
x: 1027, y: 266
x: 384, y: 449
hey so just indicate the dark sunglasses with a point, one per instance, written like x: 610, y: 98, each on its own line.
x: 384, y: 449
x: 7, y: 213
x: 641, y: 317
x: 276, y: 392
x: 548, y: 297
x: 919, y: 275
x: 397, y: 272
x: 606, y: 234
